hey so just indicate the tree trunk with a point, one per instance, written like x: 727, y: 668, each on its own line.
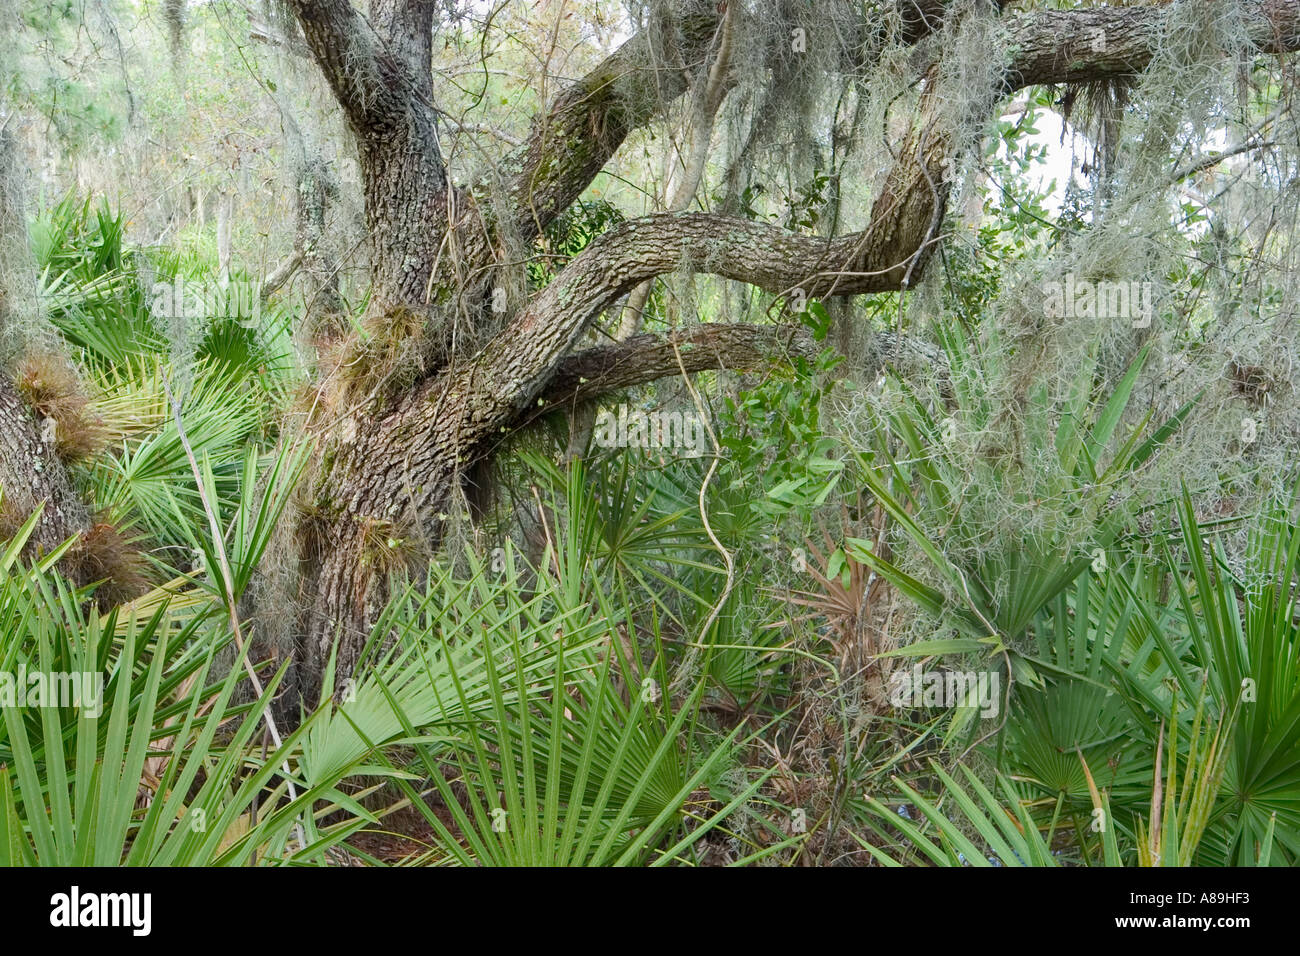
x: 405, y: 197
x: 32, y: 477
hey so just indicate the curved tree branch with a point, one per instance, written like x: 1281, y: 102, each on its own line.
x: 519, y: 362
x: 399, y: 463
x: 587, y: 123
x: 1055, y: 46
x: 591, y: 373
x: 711, y: 89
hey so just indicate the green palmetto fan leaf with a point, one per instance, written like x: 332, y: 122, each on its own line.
x: 73, y: 238
x: 639, y: 526
x: 949, y: 828
x: 1143, y: 661
x: 745, y: 649
x: 150, y: 776
x: 96, y: 294
x: 426, y: 659
x: 167, y: 770
x: 88, y: 286
x: 265, y: 488
x: 1100, y: 694
x: 1246, y: 641
x: 991, y: 587
x: 440, y: 636
x: 1050, y: 726
x: 525, y: 693
x: 1005, y: 587
x: 573, y: 776
x: 146, y: 478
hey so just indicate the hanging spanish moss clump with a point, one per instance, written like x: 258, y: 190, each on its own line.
x: 17, y: 297
x: 1184, y: 271
x: 23, y: 327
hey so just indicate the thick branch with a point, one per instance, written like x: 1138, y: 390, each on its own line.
x: 739, y: 347
x: 405, y: 28
x: 281, y: 274
x: 1079, y: 46
x: 590, y: 119
x: 591, y: 373
x: 381, y: 82
x: 458, y: 410
x: 519, y: 362
x: 1055, y: 46
x: 1048, y: 48
x: 711, y: 89
x: 518, y: 365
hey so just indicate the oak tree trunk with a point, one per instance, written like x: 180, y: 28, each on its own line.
x: 32, y: 477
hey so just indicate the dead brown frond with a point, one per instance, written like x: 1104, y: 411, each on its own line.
x: 846, y: 596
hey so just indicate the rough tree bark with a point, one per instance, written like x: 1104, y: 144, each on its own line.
x: 389, y: 466
x: 31, y: 475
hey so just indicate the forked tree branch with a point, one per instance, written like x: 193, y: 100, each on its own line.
x: 380, y: 79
